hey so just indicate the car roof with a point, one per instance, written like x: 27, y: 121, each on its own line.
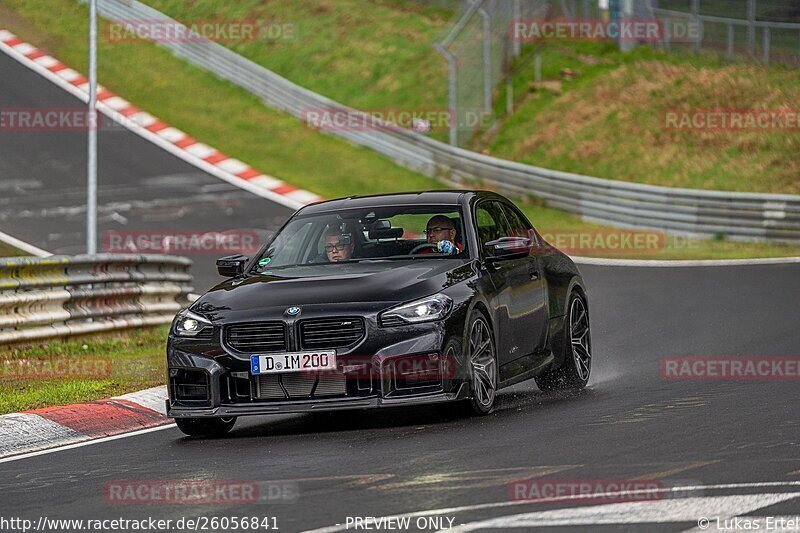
x: 445, y: 197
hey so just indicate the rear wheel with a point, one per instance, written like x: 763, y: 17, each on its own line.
x: 576, y: 366
x: 205, y: 427
x: 483, y: 365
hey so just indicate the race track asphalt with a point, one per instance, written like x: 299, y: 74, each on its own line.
x: 630, y: 424
x: 143, y: 190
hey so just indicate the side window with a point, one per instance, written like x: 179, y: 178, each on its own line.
x: 491, y: 223
x: 519, y: 226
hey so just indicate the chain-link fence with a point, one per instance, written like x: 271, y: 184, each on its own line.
x: 480, y: 49
x: 764, y: 30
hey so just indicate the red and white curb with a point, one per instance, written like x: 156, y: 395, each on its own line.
x: 154, y: 130
x: 52, y: 427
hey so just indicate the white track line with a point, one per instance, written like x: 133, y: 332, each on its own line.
x: 510, y: 503
x: 86, y: 443
x: 22, y: 245
x: 642, y: 512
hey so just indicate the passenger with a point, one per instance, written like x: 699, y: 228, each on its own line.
x: 335, y: 249
x: 441, y: 231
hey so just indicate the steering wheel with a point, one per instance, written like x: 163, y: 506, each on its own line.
x: 418, y: 248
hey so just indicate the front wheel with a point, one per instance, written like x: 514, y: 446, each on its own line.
x: 483, y: 365
x: 573, y: 374
x: 205, y: 427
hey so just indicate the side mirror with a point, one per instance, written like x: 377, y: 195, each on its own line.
x: 232, y: 265
x: 507, y: 248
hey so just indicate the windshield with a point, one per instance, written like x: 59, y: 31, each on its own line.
x: 367, y: 234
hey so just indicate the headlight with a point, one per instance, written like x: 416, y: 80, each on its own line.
x: 188, y: 324
x: 427, y: 309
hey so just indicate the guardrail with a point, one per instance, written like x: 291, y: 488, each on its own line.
x: 744, y: 216
x: 58, y: 296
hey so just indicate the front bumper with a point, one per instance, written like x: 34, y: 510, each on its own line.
x: 385, y: 347
x: 309, y: 406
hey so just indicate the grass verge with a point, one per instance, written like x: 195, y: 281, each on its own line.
x: 214, y: 111
x: 602, y: 113
x: 370, y: 54
x: 6, y: 250
x: 60, y: 372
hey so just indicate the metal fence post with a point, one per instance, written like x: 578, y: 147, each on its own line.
x: 667, y: 32
x: 453, y: 101
x: 696, y: 18
x: 751, y: 26
x: 487, y: 59
x: 91, y: 181
x: 766, y: 44
x: 515, y: 38
x: 730, y: 42
x: 509, y: 94
x: 537, y: 62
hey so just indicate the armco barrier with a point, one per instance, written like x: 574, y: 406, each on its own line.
x: 747, y: 216
x: 59, y: 295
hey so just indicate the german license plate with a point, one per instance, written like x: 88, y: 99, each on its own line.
x: 292, y: 362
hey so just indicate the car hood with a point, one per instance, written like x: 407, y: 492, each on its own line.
x: 367, y: 282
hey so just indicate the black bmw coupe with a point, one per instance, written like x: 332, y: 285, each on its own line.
x: 378, y: 301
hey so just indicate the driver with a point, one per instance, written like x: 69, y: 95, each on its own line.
x: 441, y: 231
x: 335, y: 249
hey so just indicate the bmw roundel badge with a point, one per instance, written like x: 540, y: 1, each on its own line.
x: 293, y: 311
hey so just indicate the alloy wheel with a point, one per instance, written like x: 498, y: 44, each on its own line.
x: 481, y: 352
x: 580, y: 339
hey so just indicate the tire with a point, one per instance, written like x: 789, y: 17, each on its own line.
x: 482, y: 358
x: 205, y: 427
x: 576, y: 365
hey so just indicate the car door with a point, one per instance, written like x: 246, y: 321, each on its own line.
x: 517, y: 304
x: 530, y: 298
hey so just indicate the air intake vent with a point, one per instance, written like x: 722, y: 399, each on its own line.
x: 331, y: 332
x: 255, y: 337
x: 299, y: 386
x: 391, y: 321
x: 189, y: 385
